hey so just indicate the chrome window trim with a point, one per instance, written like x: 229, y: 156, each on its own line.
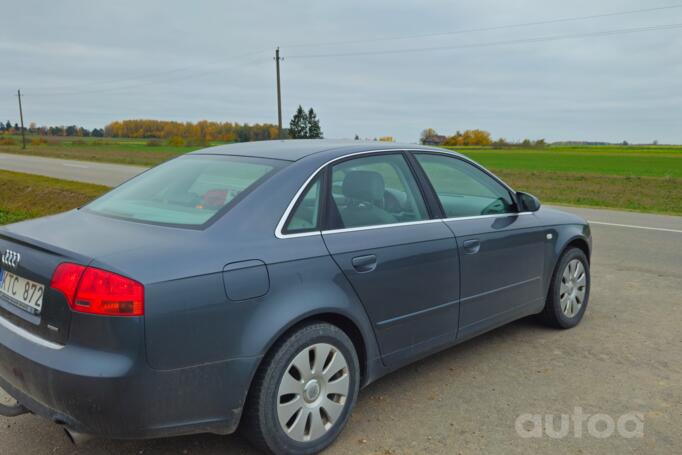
x: 379, y: 226
x: 28, y: 335
x: 282, y: 221
x: 475, y: 217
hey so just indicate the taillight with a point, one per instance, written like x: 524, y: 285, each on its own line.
x: 95, y: 291
x: 66, y: 278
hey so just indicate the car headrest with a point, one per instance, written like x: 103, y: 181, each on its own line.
x: 366, y: 186
x: 215, y: 198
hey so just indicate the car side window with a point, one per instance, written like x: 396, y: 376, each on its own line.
x: 463, y: 189
x: 305, y: 216
x: 374, y: 190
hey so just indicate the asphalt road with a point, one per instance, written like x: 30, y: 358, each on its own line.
x: 82, y: 171
x: 625, y: 357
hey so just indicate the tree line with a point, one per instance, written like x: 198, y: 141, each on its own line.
x: 186, y: 132
x: 71, y: 130
x: 475, y: 137
x: 202, y: 131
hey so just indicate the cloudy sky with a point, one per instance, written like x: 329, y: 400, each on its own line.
x: 91, y: 62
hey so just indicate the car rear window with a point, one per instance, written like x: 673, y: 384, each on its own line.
x: 186, y: 191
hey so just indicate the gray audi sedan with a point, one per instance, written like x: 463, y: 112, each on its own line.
x: 261, y: 285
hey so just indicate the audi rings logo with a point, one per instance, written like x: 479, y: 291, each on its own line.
x: 11, y: 259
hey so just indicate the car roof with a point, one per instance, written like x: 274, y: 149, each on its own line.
x: 295, y: 149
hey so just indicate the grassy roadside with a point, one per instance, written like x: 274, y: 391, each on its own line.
x: 24, y: 196
x: 661, y: 195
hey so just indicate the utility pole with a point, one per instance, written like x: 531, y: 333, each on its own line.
x: 279, y: 95
x: 21, y: 116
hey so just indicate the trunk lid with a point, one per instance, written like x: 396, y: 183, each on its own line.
x: 144, y: 252
x: 37, y: 263
x: 44, y: 243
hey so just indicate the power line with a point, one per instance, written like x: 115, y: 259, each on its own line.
x: 21, y: 116
x: 493, y: 43
x: 140, y: 84
x: 484, y: 29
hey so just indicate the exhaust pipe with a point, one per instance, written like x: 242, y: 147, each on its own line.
x: 12, y: 410
x: 77, y: 439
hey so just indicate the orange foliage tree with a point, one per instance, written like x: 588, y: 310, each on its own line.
x: 469, y: 137
x: 200, y: 132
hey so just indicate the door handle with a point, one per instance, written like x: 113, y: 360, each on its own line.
x: 364, y: 264
x: 471, y: 246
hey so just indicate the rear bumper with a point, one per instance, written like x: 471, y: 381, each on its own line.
x: 114, y: 395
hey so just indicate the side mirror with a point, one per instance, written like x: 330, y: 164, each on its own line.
x: 528, y: 202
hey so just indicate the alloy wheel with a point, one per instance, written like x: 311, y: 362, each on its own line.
x: 573, y: 288
x: 313, y: 392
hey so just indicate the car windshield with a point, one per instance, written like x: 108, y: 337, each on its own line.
x: 186, y: 191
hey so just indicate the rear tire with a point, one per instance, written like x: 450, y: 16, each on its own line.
x: 569, y: 291
x: 303, y: 392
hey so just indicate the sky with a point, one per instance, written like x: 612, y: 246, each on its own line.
x: 367, y: 68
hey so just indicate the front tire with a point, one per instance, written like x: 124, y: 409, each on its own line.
x: 303, y: 392
x: 569, y: 292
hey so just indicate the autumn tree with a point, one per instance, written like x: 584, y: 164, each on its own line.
x: 201, y: 132
x: 427, y: 133
x: 469, y: 137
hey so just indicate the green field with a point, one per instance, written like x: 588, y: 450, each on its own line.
x: 649, y: 161
x: 640, y: 178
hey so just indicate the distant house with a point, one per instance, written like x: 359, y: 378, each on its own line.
x: 435, y: 139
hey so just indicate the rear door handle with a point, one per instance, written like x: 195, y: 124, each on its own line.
x: 364, y: 264
x: 471, y: 246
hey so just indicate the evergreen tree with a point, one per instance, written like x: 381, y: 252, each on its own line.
x: 298, y: 127
x: 357, y: 138
x: 314, y: 131
x: 8, y: 126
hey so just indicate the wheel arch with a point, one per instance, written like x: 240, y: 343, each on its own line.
x: 568, y: 236
x: 577, y: 242
x: 363, y: 341
x: 340, y: 320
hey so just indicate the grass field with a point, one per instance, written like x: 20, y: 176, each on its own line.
x: 663, y: 161
x: 24, y: 196
x: 641, y: 178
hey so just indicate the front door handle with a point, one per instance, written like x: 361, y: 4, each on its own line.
x: 471, y: 246
x: 364, y: 264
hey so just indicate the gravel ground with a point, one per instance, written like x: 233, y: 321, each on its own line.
x: 625, y: 357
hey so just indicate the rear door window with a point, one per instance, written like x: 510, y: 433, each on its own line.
x: 375, y: 190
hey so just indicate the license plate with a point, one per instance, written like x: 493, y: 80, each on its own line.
x: 26, y: 294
